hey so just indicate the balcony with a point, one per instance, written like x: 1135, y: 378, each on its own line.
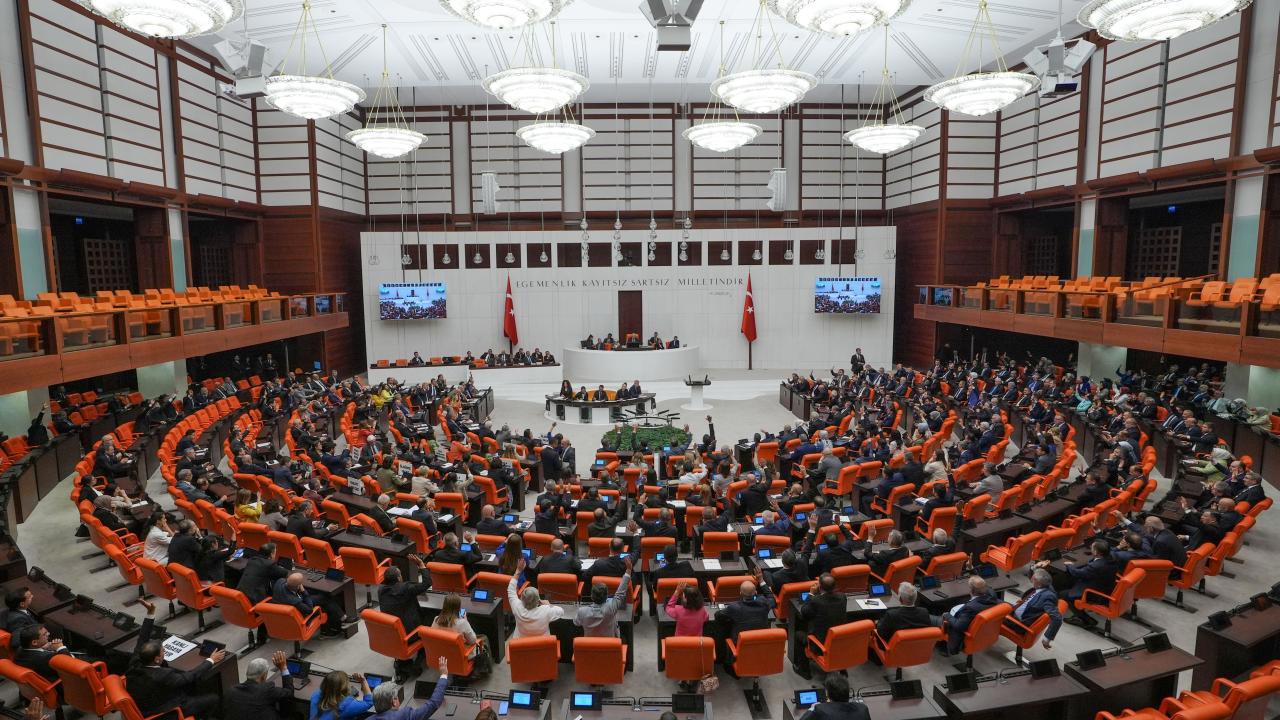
x: 41, y: 345
x: 1194, y: 320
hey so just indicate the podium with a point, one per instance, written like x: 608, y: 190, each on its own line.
x: 695, y: 393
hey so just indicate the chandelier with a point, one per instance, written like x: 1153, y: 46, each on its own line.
x: 885, y: 137
x: 388, y: 136
x: 310, y: 97
x: 763, y: 89
x: 555, y: 137
x: 838, y: 17
x: 981, y: 93
x: 536, y: 90
x: 719, y: 135
x: 1155, y: 19
x: 168, y: 18
x: 505, y: 13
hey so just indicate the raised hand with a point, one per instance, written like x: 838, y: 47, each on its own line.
x: 279, y: 659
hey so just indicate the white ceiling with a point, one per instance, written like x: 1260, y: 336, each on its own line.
x: 611, y: 43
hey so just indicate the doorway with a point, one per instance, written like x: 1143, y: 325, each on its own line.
x: 630, y: 313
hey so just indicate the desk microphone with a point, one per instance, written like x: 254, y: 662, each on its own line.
x: 876, y: 688
x: 1119, y: 651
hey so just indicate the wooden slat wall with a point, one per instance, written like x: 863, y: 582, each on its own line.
x: 617, y: 173
x: 971, y: 156
x: 530, y: 179
x: 1130, y: 114
x: 821, y: 143
x: 69, y: 93
x: 912, y: 175
x: 917, y: 265
x: 427, y: 177
x: 1039, y: 143
x: 737, y: 180
x: 340, y: 178
x: 1201, y: 94
x: 284, y: 159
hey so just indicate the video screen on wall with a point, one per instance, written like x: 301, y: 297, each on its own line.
x: 412, y: 301
x: 847, y: 296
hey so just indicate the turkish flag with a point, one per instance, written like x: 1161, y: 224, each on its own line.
x: 749, y: 314
x: 509, y: 318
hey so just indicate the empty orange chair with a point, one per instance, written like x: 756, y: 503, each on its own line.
x: 449, y: 577
x: 318, y: 555
x: 82, y: 683
x: 716, y: 543
x: 727, y: 588
x: 975, y: 509
x: 1154, y: 584
x: 30, y: 683
x: 909, y: 647
x: 844, y: 646
x: 1015, y: 553
x: 688, y: 658
x: 284, y: 622
x: 157, y: 581
x: 190, y: 592
x: 852, y: 578
x: 534, y: 659
x: 599, y: 660
x: 362, y: 566
x: 757, y: 653
x: 387, y: 636
x: 943, y: 518
x: 287, y: 546
x: 538, y: 543
x: 1192, y: 573
x: 984, y: 630
x: 1024, y: 636
x: 253, y: 535
x: 946, y: 567
x: 900, y: 571
x: 1117, y: 603
x: 598, y: 547
x: 1234, y: 695
x: 235, y: 608
x: 559, y: 587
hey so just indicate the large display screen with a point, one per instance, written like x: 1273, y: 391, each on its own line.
x: 853, y: 296
x: 411, y: 301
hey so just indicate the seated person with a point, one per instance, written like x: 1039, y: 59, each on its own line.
x: 905, y: 616
x: 1040, y: 599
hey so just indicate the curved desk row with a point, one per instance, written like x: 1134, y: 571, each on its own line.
x: 591, y: 412
x: 515, y: 374
x: 611, y: 367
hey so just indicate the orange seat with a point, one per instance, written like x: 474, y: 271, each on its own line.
x: 599, y: 660
x: 318, y: 555
x: 362, y: 566
x: 884, y: 505
x: 388, y: 637
x: 30, y: 683
x: 1015, y: 553
x: 235, y: 608
x: 190, y: 592
x: 449, y: 577
x: 1154, y: 583
x: 1117, y: 603
x: 122, y: 702
x: 943, y: 518
x: 1023, y: 636
x: 534, y: 659
x: 852, y: 578
x: 496, y: 584
x: 716, y: 543
x: 844, y: 647
x: 156, y: 579
x: 900, y: 571
x: 253, y: 535
x: 946, y: 567
x: 559, y: 587
x: 874, y: 531
x: 726, y: 588
x: 82, y: 683
x: 1255, y: 691
x: 1053, y: 540
x: 284, y: 622
x: 757, y: 653
x: 688, y: 658
x: 984, y: 630
x: 449, y: 644
x: 913, y: 646
x: 287, y: 546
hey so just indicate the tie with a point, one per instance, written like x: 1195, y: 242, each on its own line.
x: 1022, y: 606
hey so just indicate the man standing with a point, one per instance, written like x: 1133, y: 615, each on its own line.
x: 400, y: 598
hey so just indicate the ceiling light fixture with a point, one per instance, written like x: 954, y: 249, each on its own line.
x: 1140, y: 20
x: 386, y: 133
x: 533, y: 88
x: 763, y: 89
x: 555, y: 137
x: 716, y: 134
x: 477, y: 258
x: 310, y: 97
x: 509, y: 258
x: 542, y: 257
x: 505, y: 14
x: 838, y: 17
x: 168, y: 18
x: 981, y: 93
x: 894, y: 134
x: 724, y: 253
x: 788, y: 255
x: 819, y: 254
x: 755, y: 254
x: 445, y: 259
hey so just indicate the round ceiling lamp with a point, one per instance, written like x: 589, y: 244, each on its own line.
x: 981, y: 93
x: 893, y: 134
x: 536, y: 90
x: 721, y: 136
x: 505, y: 14
x: 168, y: 18
x: 555, y: 137
x: 386, y: 133
x: 1142, y: 20
x: 763, y: 91
x: 310, y: 97
x: 838, y: 17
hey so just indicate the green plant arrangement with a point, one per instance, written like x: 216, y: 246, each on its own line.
x: 635, y: 437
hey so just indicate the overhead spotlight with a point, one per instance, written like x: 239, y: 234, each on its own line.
x: 673, y: 20
x: 1057, y: 62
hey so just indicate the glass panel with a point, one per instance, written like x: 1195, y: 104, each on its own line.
x: 1145, y: 310
x: 270, y: 310
x: 236, y: 314
x: 1037, y: 303
x: 922, y: 296
x: 149, y: 324
x: 80, y: 332
x: 1001, y: 300
x: 324, y: 304
x: 342, y: 303
x: 20, y: 338
x: 1209, y: 316
x: 299, y: 307
x: 198, y: 319
x: 1084, y: 306
x: 971, y: 298
x: 944, y: 296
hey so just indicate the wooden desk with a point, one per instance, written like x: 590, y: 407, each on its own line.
x: 1046, y: 699
x: 1137, y: 679
x: 488, y: 619
x: 976, y: 539
x: 948, y: 594
x: 798, y: 627
x: 625, y: 711
x: 1253, y: 639
x: 566, y: 632
x: 217, y: 680
x: 1052, y: 512
x: 344, y: 589
x: 90, y: 632
x: 42, y: 598
x: 881, y: 707
x: 384, y: 547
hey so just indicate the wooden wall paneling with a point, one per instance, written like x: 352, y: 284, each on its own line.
x: 151, y: 247
x: 966, y: 244
x: 720, y: 252
x: 628, y: 165
x: 822, y: 142
x: 747, y: 250
x: 633, y: 254
x: 808, y: 253
x: 531, y: 180
x: 737, y: 180
x: 1111, y: 237
x: 339, y: 247
x: 599, y: 254
x: 10, y: 268
x: 568, y: 255
x: 913, y: 340
x: 422, y: 183
x: 1268, y: 257
x: 289, y: 255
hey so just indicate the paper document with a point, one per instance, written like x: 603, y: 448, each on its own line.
x: 711, y: 564
x: 871, y: 604
x: 772, y: 563
x: 175, y: 647
x: 402, y: 512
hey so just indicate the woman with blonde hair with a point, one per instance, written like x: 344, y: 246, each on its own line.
x: 248, y: 507
x: 334, y: 701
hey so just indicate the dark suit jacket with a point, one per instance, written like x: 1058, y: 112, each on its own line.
x: 561, y: 562
x: 13, y: 621
x: 259, y: 701
x: 381, y: 517
x: 401, y: 599
x: 676, y: 569
x: 38, y: 660
x: 837, y: 711
x: 902, y: 618
x: 612, y: 566
x: 823, y: 612
x: 301, y: 600
x: 457, y: 557
x: 1045, y: 602
x: 158, y: 689
x: 259, y: 575
x: 879, y: 560
x: 746, y: 614
x: 298, y: 524
x: 184, y: 550
x: 974, y: 605
x: 493, y: 526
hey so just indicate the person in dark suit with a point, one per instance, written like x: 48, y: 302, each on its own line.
x: 546, y: 519
x: 672, y: 566
x: 880, y: 560
x: 301, y: 524
x: 838, y: 552
x: 1252, y: 492
x: 794, y: 569
x: 452, y: 553
x: 1099, y: 574
x: 399, y: 597
x: 36, y: 649
x: 613, y: 566
x: 1158, y: 541
x: 425, y: 513
x: 712, y: 521
x: 17, y: 613
x: 290, y: 591
x: 941, y: 498
x: 825, y: 607
x: 837, y: 706
x: 662, y: 527
x: 558, y: 561
x: 905, y: 616
x: 749, y: 612
x: 379, y: 514
x: 942, y: 544
x: 184, y: 548
x: 490, y: 524
x: 257, y: 697
x: 602, y: 524
x: 158, y: 688
x: 107, y: 460
x: 549, y: 457
x: 957, y: 621
x: 260, y: 573
x: 1040, y: 599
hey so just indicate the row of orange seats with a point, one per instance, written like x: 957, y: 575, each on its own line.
x: 48, y: 303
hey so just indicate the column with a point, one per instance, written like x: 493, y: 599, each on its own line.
x: 1084, y: 243
x: 1099, y: 361
x: 167, y: 378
